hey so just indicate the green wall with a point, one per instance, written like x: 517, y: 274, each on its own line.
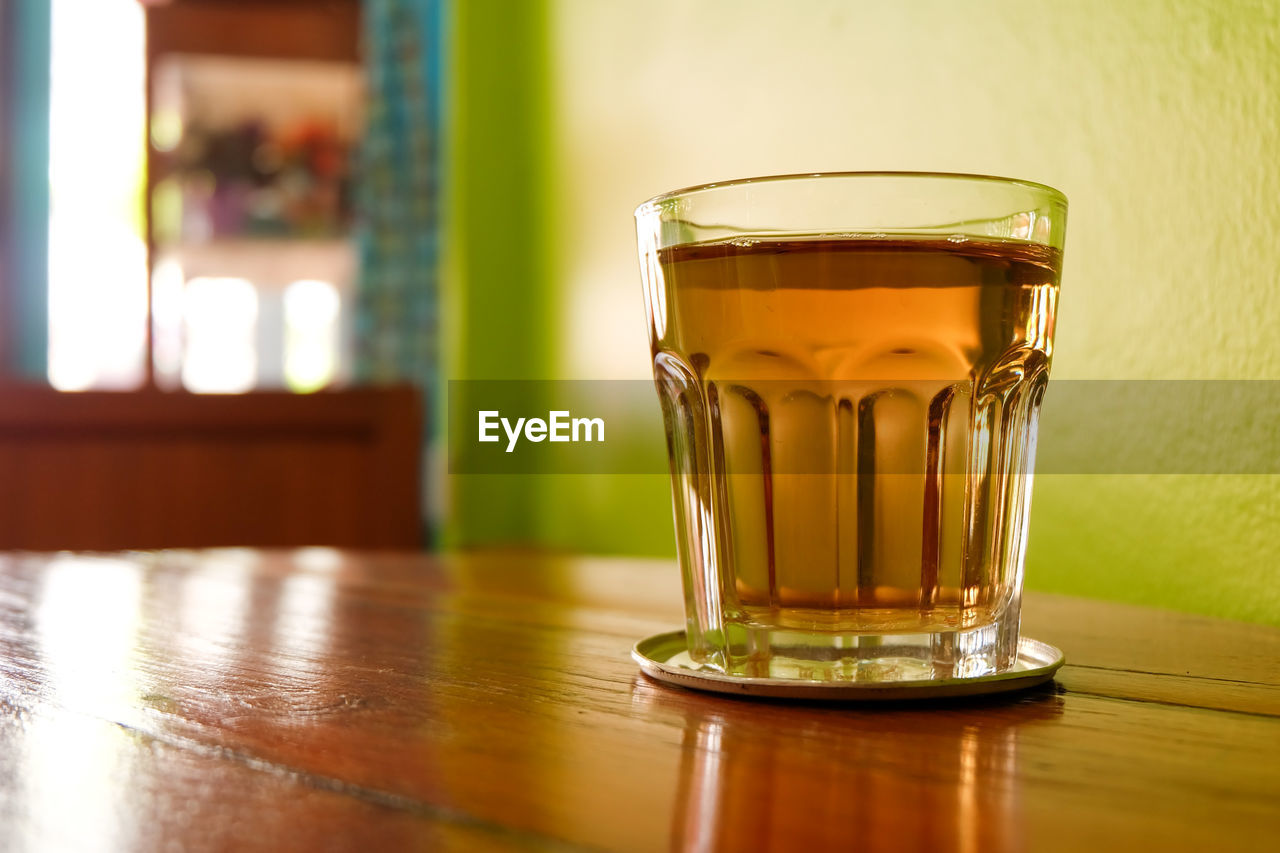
x: 1160, y: 121
x: 498, y: 284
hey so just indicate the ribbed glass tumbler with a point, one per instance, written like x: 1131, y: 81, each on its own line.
x: 850, y: 368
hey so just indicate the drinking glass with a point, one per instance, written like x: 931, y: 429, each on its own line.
x: 850, y: 368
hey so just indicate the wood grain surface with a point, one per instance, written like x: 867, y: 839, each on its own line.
x: 327, y: 700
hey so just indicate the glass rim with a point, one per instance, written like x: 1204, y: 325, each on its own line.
x: 652, y: 204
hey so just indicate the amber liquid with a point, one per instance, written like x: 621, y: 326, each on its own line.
x: 851, y: 423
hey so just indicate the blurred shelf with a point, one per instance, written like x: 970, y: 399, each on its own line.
x: 267, y: 262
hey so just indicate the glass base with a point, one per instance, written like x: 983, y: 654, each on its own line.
x: 758, y: 651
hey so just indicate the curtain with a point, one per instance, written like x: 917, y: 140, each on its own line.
x: 396, y: 331
x: 24, y: 188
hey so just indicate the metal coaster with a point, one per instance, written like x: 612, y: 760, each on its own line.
x: 665, y: 657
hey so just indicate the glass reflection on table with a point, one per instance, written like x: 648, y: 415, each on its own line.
x: 755, y: 775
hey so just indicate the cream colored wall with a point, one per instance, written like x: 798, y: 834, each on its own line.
x: 1159, y: 120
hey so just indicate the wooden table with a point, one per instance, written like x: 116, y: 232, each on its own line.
x: 319, y: 700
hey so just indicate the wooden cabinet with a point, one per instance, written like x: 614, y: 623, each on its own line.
x: 154, y: 470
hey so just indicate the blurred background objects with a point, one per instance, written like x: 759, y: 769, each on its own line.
x: 419, y: 191
x: 230, y: 128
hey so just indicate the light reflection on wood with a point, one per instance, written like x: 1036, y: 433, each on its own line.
x: 313, y: 700
x: 875, y: 779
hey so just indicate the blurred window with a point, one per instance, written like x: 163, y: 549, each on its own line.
x: 251, y: 142
x: 97, y: 234
x: 219, y: 317
x: 310, y: 333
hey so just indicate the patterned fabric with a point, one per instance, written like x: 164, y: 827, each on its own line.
x: 396, y: 331
x: 398, y: 212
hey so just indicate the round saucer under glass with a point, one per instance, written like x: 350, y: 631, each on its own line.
x: 665, y: 657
